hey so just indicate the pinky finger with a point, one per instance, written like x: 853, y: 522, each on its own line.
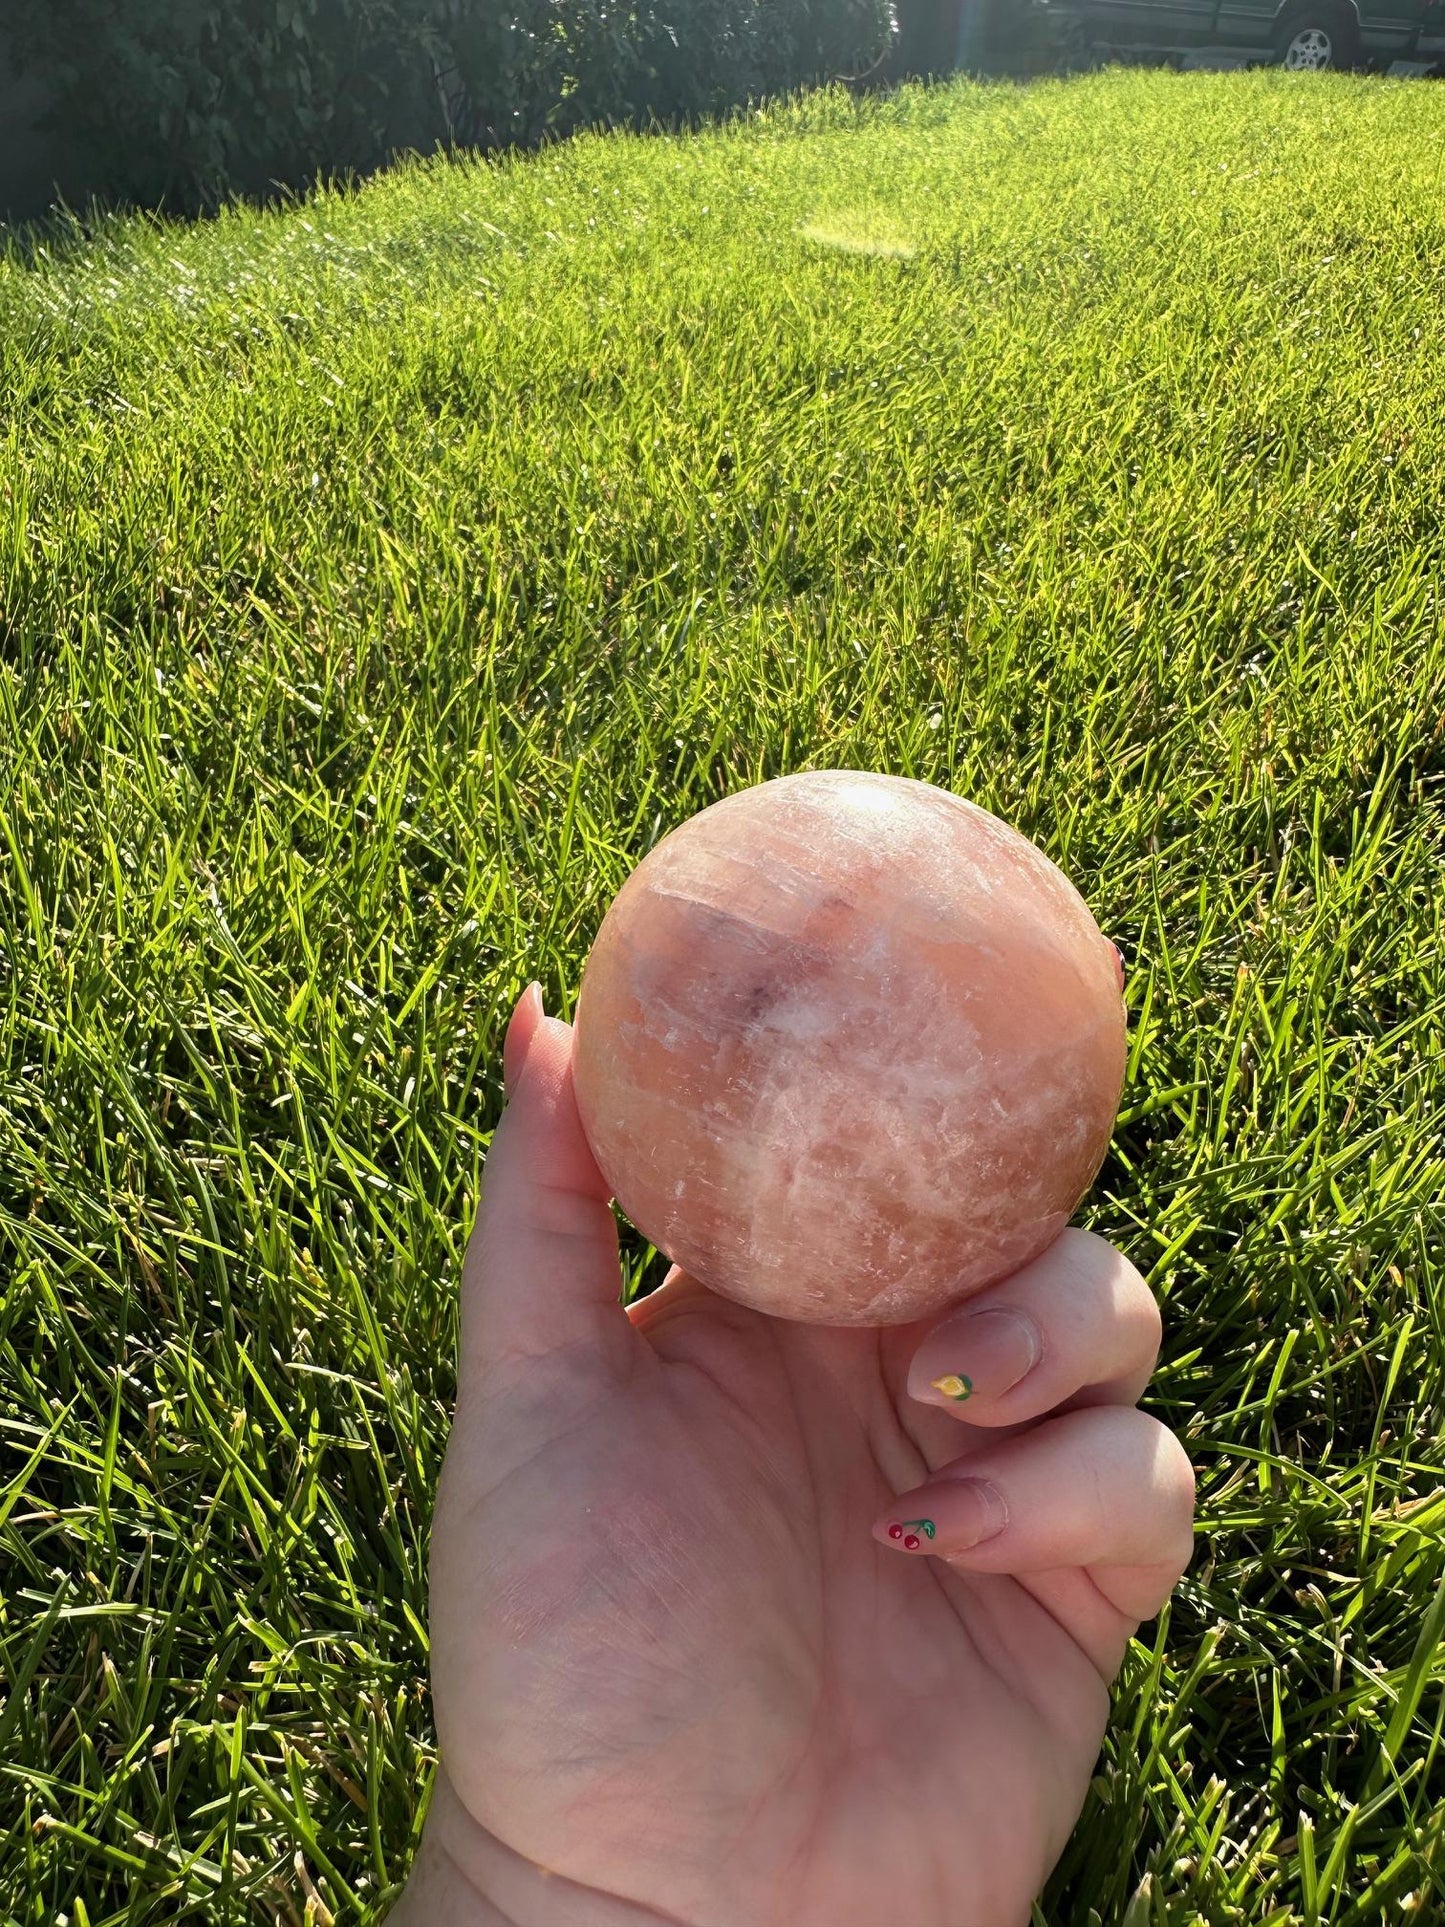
x: 1106, y: 1488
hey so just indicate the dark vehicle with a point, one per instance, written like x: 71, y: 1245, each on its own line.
x: 1297, y: 33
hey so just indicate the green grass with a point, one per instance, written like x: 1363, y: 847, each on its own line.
x: 381, y: 577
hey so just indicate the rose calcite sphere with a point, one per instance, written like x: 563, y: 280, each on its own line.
x: 849, y: 1048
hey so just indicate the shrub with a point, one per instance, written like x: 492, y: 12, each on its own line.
x: 179, y: 102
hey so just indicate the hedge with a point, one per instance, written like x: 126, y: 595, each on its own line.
x: 179, y: 103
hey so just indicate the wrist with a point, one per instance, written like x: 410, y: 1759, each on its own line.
x: 464, y: 1876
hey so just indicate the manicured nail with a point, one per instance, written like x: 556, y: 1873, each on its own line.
x: 948, y: 1517
x: 1118, y: 963
x: 975, y: 1354
x: 522, y: 1022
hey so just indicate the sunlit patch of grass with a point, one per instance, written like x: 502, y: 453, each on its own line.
x: 379, y: 579
x: 861, y: 233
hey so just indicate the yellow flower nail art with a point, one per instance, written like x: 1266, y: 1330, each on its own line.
x: 953, y: 1385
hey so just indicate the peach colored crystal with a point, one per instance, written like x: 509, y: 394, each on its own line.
x: 849, y: 1048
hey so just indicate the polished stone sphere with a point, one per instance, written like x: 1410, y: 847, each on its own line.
x: 849, y: 1048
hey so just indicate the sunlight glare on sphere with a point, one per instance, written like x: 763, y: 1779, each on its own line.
x: 848, y: 1048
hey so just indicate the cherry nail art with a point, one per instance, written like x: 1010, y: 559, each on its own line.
x: 899, y: 1530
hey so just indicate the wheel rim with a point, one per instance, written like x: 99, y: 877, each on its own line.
x: 1309, y: 51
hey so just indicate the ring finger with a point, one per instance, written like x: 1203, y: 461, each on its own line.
x: 1077, y: 1327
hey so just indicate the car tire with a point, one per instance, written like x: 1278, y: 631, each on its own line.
x: 1316, y: 37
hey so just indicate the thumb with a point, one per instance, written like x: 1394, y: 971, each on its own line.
x: 542, y: 1272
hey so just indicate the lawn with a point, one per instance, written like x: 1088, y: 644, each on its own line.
x: 380, y: 577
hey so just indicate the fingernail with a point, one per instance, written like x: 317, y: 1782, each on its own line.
x: 948, y: 1517
x: 524, y: 1020
x: 1119, y: 965
x: 977, y: 1354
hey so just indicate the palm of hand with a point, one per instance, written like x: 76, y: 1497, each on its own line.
x: 670, y: 1661
x: 671, y: 1607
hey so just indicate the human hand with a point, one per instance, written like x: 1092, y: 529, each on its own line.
x: 697, y: 1656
